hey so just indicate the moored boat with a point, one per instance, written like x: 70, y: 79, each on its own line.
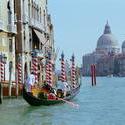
x: 35, y: 101
x: 51, y: 93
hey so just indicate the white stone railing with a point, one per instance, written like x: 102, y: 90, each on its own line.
x: 35, y: 23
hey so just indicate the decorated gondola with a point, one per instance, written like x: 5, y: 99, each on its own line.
x: 49, y: 94
x: 37, y: 101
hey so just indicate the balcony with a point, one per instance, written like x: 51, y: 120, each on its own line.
x: 36, y: 24
x: 12, y: 28
x: 1, y: 25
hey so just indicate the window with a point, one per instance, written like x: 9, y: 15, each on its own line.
x: 37, y: 13
x: 40, y: 15
x: 9, y: 13
x: 10, y: 45
x: 29, y: 8
x: 10, y: 66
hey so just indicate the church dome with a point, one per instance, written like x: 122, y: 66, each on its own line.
x: 107, y: 41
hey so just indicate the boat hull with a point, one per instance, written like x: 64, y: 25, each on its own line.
x: 34, y: 101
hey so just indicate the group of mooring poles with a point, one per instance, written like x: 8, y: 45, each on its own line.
x: 63, y: 76
x: 93, y: 74
x: 2, y: 78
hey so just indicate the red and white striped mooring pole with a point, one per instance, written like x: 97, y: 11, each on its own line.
x: 49, y: 69
x: 73, y: 71
x: 2, y: 70
x: 63, y: 73
x: 19, y: 68
x: 35, y: 68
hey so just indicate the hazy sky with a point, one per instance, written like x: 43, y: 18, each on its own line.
x: 79, y: 23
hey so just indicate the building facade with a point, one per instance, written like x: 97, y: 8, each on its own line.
x: 8, y: 30
x: 25, y: 29
x: 104, y: 56
x: 34, y: 33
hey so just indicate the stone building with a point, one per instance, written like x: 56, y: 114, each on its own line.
x: 25, y: 29
x: 104, y: 55
x: 120, y: 62
x: 8, y: 31
x: 105, y: 66
x: 34, y: 33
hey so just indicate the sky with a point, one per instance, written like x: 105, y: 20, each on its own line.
x: 79, y: 23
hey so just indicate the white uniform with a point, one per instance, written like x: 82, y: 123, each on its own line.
x: 63, y: 86
x: 67, y: 87
x: 30, y: 82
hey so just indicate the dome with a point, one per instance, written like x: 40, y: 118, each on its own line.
x: 107, y: 40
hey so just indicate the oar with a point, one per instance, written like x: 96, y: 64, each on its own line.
x: 70, y: 103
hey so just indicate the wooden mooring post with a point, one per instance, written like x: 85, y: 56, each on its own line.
x: 1, y: 94
x: 93, y: 75
x: 10, y: 80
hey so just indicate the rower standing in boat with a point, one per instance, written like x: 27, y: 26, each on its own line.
x: 30, y: 82
x: 63, y: 87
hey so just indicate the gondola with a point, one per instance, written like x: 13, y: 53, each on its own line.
x: 35, y: 101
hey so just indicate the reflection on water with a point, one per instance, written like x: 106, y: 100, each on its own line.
x: 99, y: 105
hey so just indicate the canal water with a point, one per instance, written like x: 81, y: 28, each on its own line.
x: 103, y: 104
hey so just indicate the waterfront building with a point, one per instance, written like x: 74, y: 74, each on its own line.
x: 35, y: 34
x: 8, y: 30
x: 105, y: 66
x: 120, y: 62
x: 107, y: 48
x: 26, y: 31
x: 88, y: 60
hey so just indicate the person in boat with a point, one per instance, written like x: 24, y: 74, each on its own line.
x: 49, y: 91
x: 30, y: 82
x: 62, y: 88
x: 48, y: 87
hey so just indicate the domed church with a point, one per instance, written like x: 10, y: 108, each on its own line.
x: 107, y: 48
x: 107, y: 42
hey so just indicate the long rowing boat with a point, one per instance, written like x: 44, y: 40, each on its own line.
x: 35, y: 101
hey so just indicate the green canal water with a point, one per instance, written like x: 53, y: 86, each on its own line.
x: 103, y: 104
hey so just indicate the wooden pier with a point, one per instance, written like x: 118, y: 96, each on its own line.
x: 5, y: 90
